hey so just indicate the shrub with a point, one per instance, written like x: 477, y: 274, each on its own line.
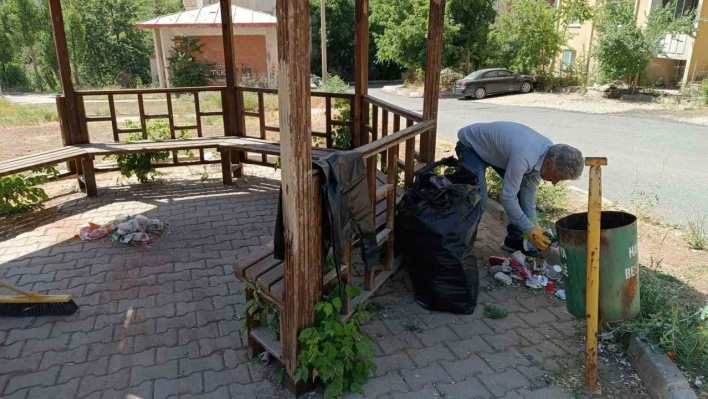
x: 448, y: 77
x: 342, y: 136
x: 18, y: 192
x: 141, y: 164
x: 704, y: 90
x: 185, y: 69
x: 336, y: 353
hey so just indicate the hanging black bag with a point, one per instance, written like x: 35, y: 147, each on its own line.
x: 436, y: 229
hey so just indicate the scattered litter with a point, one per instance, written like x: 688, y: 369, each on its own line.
x: 555, y: 272
x: 698, y: 382
x: 503, y: 278
x: 496, y: 260
x: 560, y: 294
x: 550, y: 286
x: 124, y: 229
x: 208, y: 156
x: 494, y: 270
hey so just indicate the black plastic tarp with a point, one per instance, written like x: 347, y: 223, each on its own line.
x: 436, y: 229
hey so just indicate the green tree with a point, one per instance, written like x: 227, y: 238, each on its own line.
x: 526, y: 39
x: 26, y: 27
x: 404, y: 32
x: 6, y: 47
x: 570, y: 12
x: 185, y: 69
x: 474, y: 18
x: 624, y: 49
x: 340, y: 36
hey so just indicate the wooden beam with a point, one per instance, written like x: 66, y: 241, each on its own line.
x: 67, y: 85
x: 229, y: 103
x: 361, y: 72
x: 301, y: 200
x: 433, y: 63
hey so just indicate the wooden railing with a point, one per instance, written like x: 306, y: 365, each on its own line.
x: 331, y: 123
x: 118, y: 133
x: 380, y: 126
x: 388, y: 192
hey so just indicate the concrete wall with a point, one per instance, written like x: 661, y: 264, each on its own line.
x: 697, y: 61
x: 256, y: 50
x: 662, y: 70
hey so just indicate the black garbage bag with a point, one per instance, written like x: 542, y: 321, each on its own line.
x: 437, y: 226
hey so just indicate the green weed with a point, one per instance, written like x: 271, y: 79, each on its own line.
x: 673, y: 319
x: 494, y: 312
x: 412, y: 325
x: 696, y: 233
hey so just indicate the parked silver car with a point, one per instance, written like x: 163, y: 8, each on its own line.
x: 493, y: 81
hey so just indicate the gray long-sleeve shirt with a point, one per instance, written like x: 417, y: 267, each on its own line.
x: 520, y: 151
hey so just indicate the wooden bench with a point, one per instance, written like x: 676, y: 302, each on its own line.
x: 236, y: 150
x: 87, y: 179
x: 266, y: 274
x: 87, y: 153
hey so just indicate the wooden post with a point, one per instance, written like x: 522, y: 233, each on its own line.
x: 67, y: 85
x: 301, y: 201
x: 361, y: 72
x: 433, y: 63
x: 230, y: 111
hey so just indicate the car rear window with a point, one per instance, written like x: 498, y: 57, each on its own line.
x: 474, y: 75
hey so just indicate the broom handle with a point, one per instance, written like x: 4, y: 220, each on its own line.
x: 15, y: 288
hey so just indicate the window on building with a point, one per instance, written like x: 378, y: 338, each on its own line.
x: 682, y: 6
x: 574, y: 24
x: 568, y: 59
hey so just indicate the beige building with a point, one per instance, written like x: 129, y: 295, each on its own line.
x: 684, y: 59
x: 254, y: 37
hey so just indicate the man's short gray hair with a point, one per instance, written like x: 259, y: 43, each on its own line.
x: 567, y: 161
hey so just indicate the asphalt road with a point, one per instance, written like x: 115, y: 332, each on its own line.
x: 656, y: 156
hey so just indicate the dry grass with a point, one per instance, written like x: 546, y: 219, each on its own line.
x: 14, y: 115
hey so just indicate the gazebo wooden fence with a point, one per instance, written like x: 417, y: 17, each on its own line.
x: 378, y: 128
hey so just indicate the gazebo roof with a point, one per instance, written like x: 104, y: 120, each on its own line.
x: 209, y: 17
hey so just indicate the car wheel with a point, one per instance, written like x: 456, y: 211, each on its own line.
x: 526, y: 87
x: 480, y: 93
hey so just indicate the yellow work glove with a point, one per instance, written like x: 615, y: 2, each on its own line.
x: 539, y: 239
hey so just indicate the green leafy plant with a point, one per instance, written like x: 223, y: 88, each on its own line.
x: 261, y: 310
x: 337, y: 354
x: 494, y: 312
x: 704, y: 90
x: 18, y: 192
x: 185, y: 69
x: 141, y: 164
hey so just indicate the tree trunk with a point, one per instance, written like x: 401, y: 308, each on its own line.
x: 468, y: 67
x: 37, y: 78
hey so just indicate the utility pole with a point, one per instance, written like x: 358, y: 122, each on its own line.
x: 323, y: 35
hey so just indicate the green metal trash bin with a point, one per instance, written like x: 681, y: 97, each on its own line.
x: 619, y: 264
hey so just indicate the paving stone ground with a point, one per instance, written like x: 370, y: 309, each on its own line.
x: 163, y: 321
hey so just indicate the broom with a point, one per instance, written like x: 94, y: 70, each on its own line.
x: 30, y: 303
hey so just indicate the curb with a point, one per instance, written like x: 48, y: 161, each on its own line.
x: 660, y: 375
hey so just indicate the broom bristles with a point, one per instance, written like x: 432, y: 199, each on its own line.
x: 38, y: 309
